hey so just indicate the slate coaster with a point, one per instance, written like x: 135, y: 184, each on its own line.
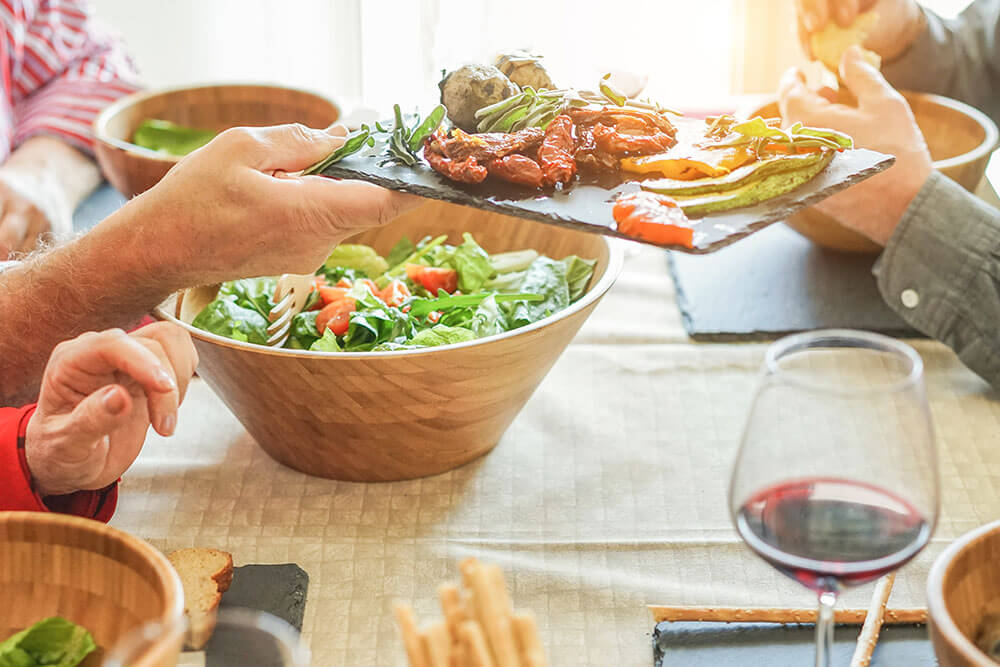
x: 776, y: 283
x: 587, y: 207
x: 686, y: 644
x: 279, y: 590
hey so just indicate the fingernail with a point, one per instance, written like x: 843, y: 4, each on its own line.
x: 113, y: 400
x: 811, y: 21
x: 844, y: 16
x: 168, y: 424
x: 165, y: 381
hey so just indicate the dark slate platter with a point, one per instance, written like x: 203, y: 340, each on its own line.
x: 739, y: 644
x: 279, y: 590
x: 778, y: 283
x: 587, y: 207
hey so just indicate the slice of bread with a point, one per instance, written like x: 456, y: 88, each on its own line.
x: 205, y: 575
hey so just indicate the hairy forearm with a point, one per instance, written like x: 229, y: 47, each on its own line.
x: 107, y: 278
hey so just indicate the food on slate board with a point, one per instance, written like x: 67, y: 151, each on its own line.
x: 205, y: 575
x: 419, y: 295
x: 507, y: 123
x: 480, y: 627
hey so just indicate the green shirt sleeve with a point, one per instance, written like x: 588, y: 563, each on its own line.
x: 958, y: 58
x: 941, y: 272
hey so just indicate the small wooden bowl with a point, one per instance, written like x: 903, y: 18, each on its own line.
x: 963, y: 586
x: 98, y: 577
x: 132, y: 169
x: 960, y: 138
x: 381, y: 416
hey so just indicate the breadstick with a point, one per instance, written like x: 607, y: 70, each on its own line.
x: 910, y: 616
x: 411, y: 638
x: 494, y: 618
x: 453, y: 607
x: 437, y: 644
x: 528, y: 641
x: 873, y: 622
x: 474, y: 644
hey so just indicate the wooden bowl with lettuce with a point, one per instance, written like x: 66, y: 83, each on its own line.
x: 422, y: 342
x: 141, y: 136
x: 73, y: 588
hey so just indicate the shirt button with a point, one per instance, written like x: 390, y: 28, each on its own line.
x: 910, y: 298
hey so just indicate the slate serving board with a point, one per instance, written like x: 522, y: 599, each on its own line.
x: 279, y: 590
x: 686, y: 644
x: 778, y: 283
x: 587, y: 206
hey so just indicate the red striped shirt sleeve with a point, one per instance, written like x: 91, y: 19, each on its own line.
x: 16, y: 489
x: 64, y: 69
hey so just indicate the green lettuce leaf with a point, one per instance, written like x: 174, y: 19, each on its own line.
x: 166, y: 137
x: 254, y: 293
x: 473, y: 265
x: 304, y: 332
x: 441, y: 334
x: 328, y: 343
x: 545, y: 277
x: 488, y: 319
x: 404, y: 248
x: 226, y: 318
x: 358, y: 257
x: 578, y: 273
x: 516, y: 260
x: 53, y: 642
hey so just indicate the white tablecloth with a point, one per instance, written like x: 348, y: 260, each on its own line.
x: 608, y: 493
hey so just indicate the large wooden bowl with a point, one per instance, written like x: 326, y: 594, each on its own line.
x: 133, y: 170
x: 960, y: 138
x: 379, y: 416
x: 964, y: 586
x: 96, y: 576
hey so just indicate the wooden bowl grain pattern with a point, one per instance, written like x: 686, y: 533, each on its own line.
x: 960, y: 138
x: 96, y: 576
x: 400, y: 415
x: 963, y: 585
x: 133, y: 170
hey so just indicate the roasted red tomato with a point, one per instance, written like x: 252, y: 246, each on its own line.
x: 653, y: 217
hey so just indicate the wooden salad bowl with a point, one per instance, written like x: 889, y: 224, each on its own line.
x: 963, y: 587
x: 96, y: 576
x: 960, y: 138
x: 381, y: 416
x: 133, y: 169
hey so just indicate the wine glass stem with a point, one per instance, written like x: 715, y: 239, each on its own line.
x: 824, y: 629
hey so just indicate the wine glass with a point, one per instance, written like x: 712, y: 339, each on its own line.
x: 836, y: 480
x: 241, y: 638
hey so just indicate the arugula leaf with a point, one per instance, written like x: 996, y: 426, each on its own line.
x: 53, y: 642
x: 473, y: 265
x: 225, y: 318
x: 358, y: 257
x: 303, y: 332
x: 328, y: 343
x: 441, y: 334
x: 404, y: 248
x: 578, y: 273
x: 374, y: 322
x: 254, y: 293
x: 545, y: 277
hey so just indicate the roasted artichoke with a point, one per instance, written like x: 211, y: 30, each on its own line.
x: 470, y: 88
x: 524, y: 69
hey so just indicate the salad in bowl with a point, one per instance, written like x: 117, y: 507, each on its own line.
x: 422, y: 294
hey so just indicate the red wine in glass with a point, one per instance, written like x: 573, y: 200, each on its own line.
x: 827, y: 533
